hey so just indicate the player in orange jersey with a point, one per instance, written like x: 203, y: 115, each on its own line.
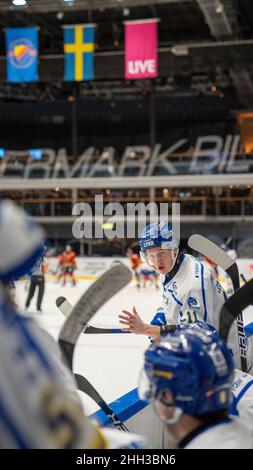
x: 135, y: 264
x: 67, y: 264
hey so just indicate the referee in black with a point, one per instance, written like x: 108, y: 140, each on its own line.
x: 37, y: 280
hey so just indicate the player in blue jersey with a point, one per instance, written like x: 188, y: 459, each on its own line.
x: 188, y: 376
x: 190, y: 290
x: 39, y: 404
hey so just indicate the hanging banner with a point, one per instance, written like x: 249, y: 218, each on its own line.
x: 22, y: 45
x: 79, y: 46
x: 141, y: 49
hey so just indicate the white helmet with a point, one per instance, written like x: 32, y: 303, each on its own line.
x: 20, y: 241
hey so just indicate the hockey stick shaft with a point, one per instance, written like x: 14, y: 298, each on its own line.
x: 86, y: 387
x: 65, y: 307
x: 222, y: 259
x: 95, y: 297
x: 232, y: 308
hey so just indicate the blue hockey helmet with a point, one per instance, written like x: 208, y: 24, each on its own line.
x: 195, y: 366
x: 157, y: 234
x: 21, y: 241
x: 209, y: 330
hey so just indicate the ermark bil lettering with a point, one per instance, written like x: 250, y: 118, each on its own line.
x: 141, y: 160
x: 125, y: 459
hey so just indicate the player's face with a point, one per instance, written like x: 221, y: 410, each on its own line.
x: 162, y: 260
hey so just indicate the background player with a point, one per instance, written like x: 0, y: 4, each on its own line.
x: 67, y: 265
x: 37, y: 279
x: 135, y: 261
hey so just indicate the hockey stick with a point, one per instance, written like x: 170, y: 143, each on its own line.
x: 232, y: 308
x: 65, y: 307
x: 85, y: 386
x: 217, y: 255
x: 222, y: 259
x: 95, y: 297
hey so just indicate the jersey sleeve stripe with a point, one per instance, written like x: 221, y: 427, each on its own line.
x: 243, y: 391
x: 12, y: 428
x: 203, y: 291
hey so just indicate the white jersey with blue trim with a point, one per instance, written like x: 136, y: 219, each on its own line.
x: 230, y: 433
x: 192, y: 293
x: 242, y: 389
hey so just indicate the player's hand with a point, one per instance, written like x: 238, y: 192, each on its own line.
x: 133, y: 322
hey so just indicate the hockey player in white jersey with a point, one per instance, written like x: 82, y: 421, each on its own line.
x: 39, y: 405
x: 190, y: 290
x: 188, y: 377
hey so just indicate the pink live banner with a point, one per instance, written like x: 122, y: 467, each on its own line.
x: 141, y: 49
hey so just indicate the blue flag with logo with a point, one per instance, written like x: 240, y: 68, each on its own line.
x: 79, y: 46
x: 22, y: 45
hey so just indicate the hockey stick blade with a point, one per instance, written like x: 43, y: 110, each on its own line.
x: 233, y: 307
x: 86, y: 387
x: 217, y: 255
x: 105, y: 287
x: 65, y: 307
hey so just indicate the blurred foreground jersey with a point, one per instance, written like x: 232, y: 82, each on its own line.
x: 39, y: 407
x: 79, y: 52
x: 22, y: 54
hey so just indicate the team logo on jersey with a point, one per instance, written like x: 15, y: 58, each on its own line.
x: 192, y: 302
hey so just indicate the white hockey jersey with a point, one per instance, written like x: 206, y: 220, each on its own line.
x: 242, y: 389
x: 192, y: 293
x: 230, y: 433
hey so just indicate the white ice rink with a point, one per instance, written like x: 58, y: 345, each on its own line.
x: 110, y: 362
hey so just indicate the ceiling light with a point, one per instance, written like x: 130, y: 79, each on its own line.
x: 60, y: 15
x: 126, y: 11
x: 19, y: 3
x: 218, y: 7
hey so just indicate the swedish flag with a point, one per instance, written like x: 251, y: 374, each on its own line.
x: 79, y: 49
